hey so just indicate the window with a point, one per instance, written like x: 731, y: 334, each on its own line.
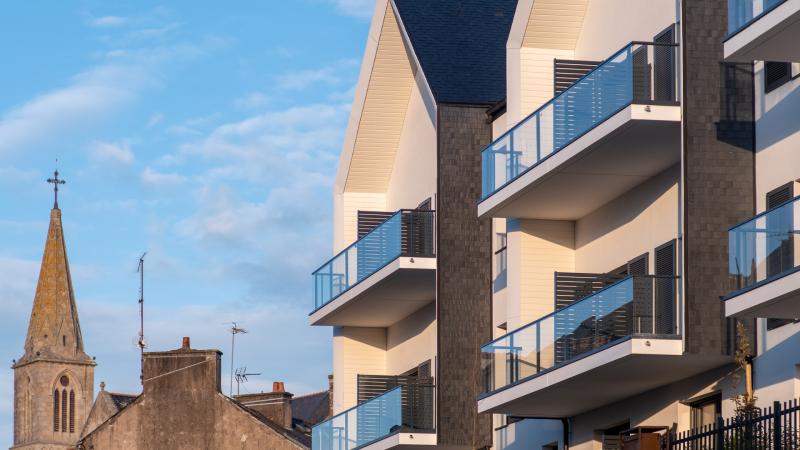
x: 705, y: 411
x: 71, y: 411
x: 64, y: 411
x: 501, y: 262
x: 56, y: 409
x: 501, y: 256
x: 781, y: 250
x: 776, y: 74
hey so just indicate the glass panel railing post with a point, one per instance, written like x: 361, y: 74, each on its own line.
x: 538, y: 348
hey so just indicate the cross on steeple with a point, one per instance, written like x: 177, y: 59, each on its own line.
x: 55, y: 182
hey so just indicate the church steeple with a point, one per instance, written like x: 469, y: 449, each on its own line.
x: 54, y: 379
x: 54, y: 331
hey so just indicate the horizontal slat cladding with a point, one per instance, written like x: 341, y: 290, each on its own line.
x: 368, y: 220
x: 571, y: 286
x: 567, y: 72
x: 555, y: 23
x: 417, y: 397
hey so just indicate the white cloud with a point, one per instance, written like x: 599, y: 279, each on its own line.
x: 117, y: 154
x: 153, y: 178
x: 330, y: 75
x: 254, y: 100
x: 155, y: 119
x: 361, y: 9
x: 108, y: 21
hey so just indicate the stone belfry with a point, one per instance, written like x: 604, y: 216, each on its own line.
x: 54, y: 379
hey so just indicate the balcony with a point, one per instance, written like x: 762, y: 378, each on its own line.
x: 764, y: 265
x: 401, y: 418
x: 611, y: 130
x: 763, y: 30
x: 617, y: 342
x: 383, y: 277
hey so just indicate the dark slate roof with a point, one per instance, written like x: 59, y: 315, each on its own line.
x: 121, y: 400
x: 311, y: 409
x: 461, y: 45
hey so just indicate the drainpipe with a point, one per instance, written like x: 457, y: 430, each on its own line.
x: 748, y: 378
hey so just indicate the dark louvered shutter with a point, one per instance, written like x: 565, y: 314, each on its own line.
x: 639, y: 266
x: 368, y: 220
x: 776, y: 74
x: 665, y: 271
x: 664, y: 72
x: 781, y: 251
x: 567, y: 72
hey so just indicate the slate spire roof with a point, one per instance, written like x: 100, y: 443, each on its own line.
x: 461, y: 46
x: 54, y: 331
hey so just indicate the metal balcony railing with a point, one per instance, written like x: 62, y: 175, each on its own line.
x: 742, y: 13
x: 403, y: 408
x: 765, y: 247
x: 406, y: 233
x: 642, y: 73
x: 634, y: 306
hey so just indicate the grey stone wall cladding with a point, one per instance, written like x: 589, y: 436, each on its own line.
x: 463, y: 275
x: 718, y: 169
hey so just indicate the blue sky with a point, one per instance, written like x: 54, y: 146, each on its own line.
x: 203, y: 133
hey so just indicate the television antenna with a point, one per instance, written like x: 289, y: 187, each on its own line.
x: 235, y: 329
x: 140, y: 343
x: 241, y: 377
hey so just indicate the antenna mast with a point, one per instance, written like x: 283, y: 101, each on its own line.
x: 235, y: 329
x: 140, y: 343
x: 241, y: 377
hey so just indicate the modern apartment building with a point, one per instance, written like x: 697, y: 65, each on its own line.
x: 764, y: 253
x: 599, y: 226
x: 408, y: 290
x: 625, y: 153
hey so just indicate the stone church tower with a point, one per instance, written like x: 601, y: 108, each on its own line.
x: 54, y: 379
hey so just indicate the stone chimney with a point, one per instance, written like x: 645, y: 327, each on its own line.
x: 182, y: 371
x: 275, y: 406
x: 330, y: 395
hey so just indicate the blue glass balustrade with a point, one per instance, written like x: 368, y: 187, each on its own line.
x: 765, y: 247
x: 639, y: 73
x: 405, y: 233
x: 367, y: 422
x: 743, y: 12
x: 639, y: 305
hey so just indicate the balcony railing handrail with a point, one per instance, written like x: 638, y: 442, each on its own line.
x: 552, y: 100
x: 750, y: 22
x: 764, y: 213
x: 399, y: 211
x: 575, y: 304
x: 356, y: 407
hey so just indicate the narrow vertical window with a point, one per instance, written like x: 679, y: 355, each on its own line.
x: 64, y: 411
x: 71, y: 411
x: 55, y: 409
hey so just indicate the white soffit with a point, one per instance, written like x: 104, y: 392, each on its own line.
x: 555, y: 24
x: 385, y: 101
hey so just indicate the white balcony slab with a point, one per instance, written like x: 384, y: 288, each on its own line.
x: 403, y: 441
x: 390, y: 294
x: 775, y: 299
x: 620, y: 153
x: 628, y: 368
x: 773, y: 36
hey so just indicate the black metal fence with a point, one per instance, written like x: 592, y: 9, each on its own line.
x: 773, y: 428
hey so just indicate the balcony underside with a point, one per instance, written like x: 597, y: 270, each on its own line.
x: 403, y: 441
x: 772, y: 37
x: 625, y: 369
x: 622, y: 152
x: 392, y: 293
x: 775, y: 299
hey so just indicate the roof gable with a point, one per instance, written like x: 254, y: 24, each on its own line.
x: 461, y: 46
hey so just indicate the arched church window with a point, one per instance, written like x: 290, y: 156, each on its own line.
x: 55, y: 409
x: 71, y: 411
x: 63, y: 410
